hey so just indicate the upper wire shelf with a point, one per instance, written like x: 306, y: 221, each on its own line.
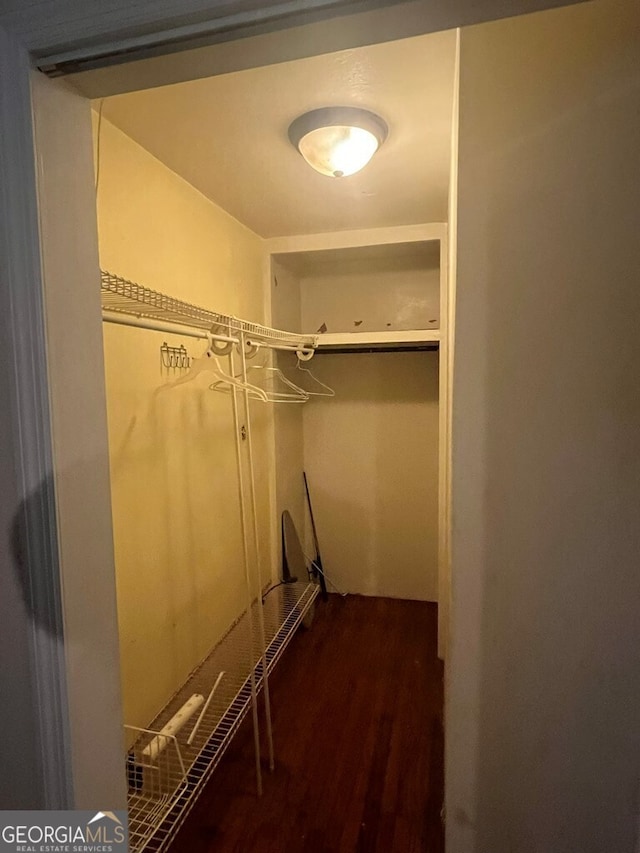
x: 129, y: 298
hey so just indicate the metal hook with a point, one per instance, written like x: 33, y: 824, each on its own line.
x: 174, y: 358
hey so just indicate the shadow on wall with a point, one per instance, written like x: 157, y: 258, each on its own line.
x: 69, y: 632
x: 45, y: 608
x: 29, y: 618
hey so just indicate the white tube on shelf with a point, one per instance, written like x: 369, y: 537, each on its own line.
x: 161, y: 740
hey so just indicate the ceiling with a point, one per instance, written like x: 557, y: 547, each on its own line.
x: 227, y: 136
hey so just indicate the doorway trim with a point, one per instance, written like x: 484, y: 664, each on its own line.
x: 30, y: 550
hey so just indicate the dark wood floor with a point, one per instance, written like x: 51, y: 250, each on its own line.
x: 357, y: 713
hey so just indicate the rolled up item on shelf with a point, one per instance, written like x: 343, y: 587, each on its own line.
x: 161, y: 740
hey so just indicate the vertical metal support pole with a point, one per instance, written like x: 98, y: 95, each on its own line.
x: 245, y: 545
x: 254, y: 510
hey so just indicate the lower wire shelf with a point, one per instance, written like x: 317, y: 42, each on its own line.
x: 165, y: 774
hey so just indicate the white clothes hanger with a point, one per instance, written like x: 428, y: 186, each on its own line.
x: 326, y: 390
x: 294, y: 394
x: 291, y: 393
x: 225, y: 386
x: 208, y: 363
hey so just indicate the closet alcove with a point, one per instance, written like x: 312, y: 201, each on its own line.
x: 373, y: 453
x: 242, y: 263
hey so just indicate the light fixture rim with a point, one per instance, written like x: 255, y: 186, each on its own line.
x: 338, y: 117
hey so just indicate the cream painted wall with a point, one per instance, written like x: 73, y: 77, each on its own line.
x: 379, y: 300
x: 543, y: 742
x: 180, y: 576
x: 371, y: 454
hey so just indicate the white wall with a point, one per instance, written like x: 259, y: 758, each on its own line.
x: 371, y: 454
x: 375, y: 297
x: 543, y: 742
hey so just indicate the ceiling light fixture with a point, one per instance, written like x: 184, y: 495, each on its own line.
x: 338, y: 141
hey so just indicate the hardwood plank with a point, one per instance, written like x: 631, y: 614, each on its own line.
x: 357, y: 712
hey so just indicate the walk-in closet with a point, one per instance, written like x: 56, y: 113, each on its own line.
x: 248, y: 518
x: 276, y: 348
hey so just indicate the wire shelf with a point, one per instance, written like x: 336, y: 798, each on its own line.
x: 155, y: 779
x: 163, y: 790
x: 126, y: 297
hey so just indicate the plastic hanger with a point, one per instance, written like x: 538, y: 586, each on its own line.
x: 295, y: 395
x: 292, y: 394
x: 208, y: 363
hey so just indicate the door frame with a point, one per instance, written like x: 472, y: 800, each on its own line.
x: 49, y: 228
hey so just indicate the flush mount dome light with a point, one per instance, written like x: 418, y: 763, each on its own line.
x: 338, y: 141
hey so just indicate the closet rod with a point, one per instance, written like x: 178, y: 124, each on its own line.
x: 163, y: 326
x: 305, y: 350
